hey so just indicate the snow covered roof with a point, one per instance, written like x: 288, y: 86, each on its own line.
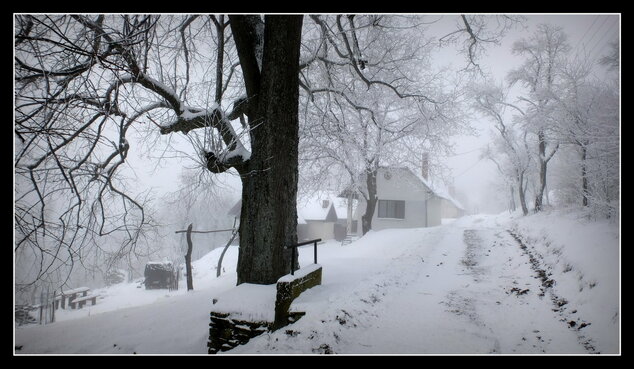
x: 164, y: 262
x: 318, y: 207
x: 312, y: 211
x: 438, y: 190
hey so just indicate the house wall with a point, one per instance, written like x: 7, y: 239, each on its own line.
x: 402, y: 186
x: 449, y: 210
x: 319, y: 229
x: 434, y: 211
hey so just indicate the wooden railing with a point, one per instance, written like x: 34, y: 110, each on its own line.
x: 294, y: 248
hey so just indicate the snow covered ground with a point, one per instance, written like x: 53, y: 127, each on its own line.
x: 483, y: 284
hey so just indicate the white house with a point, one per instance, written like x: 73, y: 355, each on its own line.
x: 407, y: 200
x: 321, y: 216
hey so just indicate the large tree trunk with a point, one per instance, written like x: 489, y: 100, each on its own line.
x: 366, y: 219
x: 268, y: 220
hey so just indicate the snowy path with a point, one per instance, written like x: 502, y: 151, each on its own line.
x: 467, y: 288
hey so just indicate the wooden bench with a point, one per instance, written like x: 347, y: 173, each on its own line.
x: 79, y: 302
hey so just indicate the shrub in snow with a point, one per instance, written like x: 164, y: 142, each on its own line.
x: 23, y: 314
x: 114, y: 276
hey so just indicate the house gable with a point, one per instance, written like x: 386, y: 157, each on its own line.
x: 400, y: 184
x: 332, y: 214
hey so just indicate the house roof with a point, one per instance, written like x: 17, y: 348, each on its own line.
x: 436, y: 189
x: 439, y: 191
x: 311, y: 208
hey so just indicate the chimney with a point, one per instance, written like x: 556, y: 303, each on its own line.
x: 425, y: 165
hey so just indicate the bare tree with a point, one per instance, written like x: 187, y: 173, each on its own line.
x: 71, y: 131
x: 83, y: 81
x: 544, y: 52
x: 391, y: 108
x: 511, y: 153
x: 588, y: 111
x: 475, y: 32
x: 611, y: 61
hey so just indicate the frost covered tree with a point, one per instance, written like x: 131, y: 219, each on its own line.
x: 544, y: 53
x: 589, y: 112
x: 90, y: 87
x: 372, y: 97
x: 82, y: 83
x: 510, y: 152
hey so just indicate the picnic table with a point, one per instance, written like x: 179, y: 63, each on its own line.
x: 80, y: 302
x: 71, y: 295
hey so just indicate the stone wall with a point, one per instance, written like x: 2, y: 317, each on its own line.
x: 226, y: 331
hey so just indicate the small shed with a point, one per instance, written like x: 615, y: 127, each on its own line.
x: 159, y: 275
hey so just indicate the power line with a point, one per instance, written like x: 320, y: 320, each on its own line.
x: 599, y: 42
x: 580, y: 46
x: 471, y: 167
x: 585, y: 33
x: 467, y: 152
x: 597, y: 31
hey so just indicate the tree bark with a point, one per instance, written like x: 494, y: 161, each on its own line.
x: 584, y: 176
x: 366, y: 219
x: 268, y: 219
x: 543, y: 165
x: 522, y: 193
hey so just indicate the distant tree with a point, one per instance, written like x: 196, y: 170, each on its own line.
x: 611, y: 61
x: 544, y: 52
x: 115, y: 276
x: 588, y: 110
x: 510, y: 152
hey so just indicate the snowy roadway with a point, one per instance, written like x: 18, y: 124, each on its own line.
x: 465, y: 288
x: 468, y: 287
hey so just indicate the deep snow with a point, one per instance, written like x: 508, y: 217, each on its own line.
x: 543, y: 284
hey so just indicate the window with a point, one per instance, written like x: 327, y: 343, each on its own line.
x: 392, y: 209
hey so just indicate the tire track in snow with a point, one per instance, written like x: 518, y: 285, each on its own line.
x: 502, y: 304
x: 464, y: 288
x: 467, y: 303
x: 559, y: 303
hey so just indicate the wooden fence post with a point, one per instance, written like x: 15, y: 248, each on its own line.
x: 188, y: 258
